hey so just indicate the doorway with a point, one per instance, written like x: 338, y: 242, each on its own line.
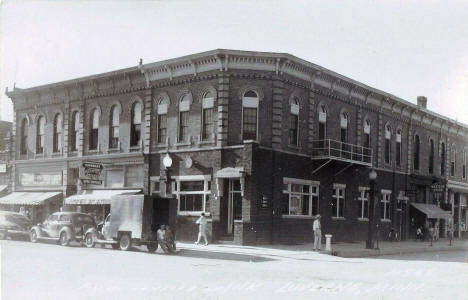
x: 234, y: 205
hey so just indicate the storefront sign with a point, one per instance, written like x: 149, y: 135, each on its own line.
x: 91, y: 173
x: 40, y: 179
x: 265, y: 202
x: 438, y: 188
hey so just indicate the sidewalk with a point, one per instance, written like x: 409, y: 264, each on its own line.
x: 347, y: 250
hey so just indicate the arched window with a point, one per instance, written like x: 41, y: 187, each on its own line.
x: 398, y: 148
x: 184, y: 120
x: 40, y: 135
x: 431, y: 156
x: 162, y: 120
x: 416, y: 152
x: 135, y: 130
x: 453, y: 160
x: 249, y: 115
x: 388, y: 138
x: 294, y: 122
x: 24, y: 137
x: 367, y: 134
x: 94, y: 132
x: 207, y: 116
x: 465, y: 158
x: 75, y: 131
x: 58, y: 129
x: 322, y: 129
x: 114, y: 127
x: 344, y: 120
x: 443, y: 158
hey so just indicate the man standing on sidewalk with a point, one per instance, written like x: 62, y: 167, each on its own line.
x: 202, y: 229
x: 317, y: 234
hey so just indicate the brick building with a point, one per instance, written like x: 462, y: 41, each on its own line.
x: 260, y: 142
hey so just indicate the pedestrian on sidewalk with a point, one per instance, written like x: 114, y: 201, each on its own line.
x: 419, y: 235
x: 317, y: 227
x: 161, y: 233
x: 169, y: 237
x: 201, y: 229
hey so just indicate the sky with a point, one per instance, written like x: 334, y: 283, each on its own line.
x: 407, y: 48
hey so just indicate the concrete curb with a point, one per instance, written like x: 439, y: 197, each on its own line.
x: 378, y: 252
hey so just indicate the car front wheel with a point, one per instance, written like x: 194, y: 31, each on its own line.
x: 64, y: 240
x: 34, y: 236
x: 89, y: 240
x: 125, y: 242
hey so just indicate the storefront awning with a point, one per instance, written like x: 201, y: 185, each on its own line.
x: 86, y: 197
x: 432, y: 211
x: 30, y: 198
x: 230, y: 172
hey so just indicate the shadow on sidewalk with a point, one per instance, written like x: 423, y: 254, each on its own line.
x: 222, y: 255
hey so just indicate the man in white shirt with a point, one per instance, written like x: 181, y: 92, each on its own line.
x: 202, y: 229
x: 317, y: 233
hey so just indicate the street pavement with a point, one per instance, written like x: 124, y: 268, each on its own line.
x: 48, y: 271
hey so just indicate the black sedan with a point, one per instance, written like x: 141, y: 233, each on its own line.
x: 14, y: 225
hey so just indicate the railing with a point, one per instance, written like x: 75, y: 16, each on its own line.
x: 332, y: 149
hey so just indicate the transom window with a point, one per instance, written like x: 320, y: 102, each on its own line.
x: 338, y: 201
x: 114, y: 127
x: 249, y: 115
x: 301, y: 197
x: 192, y: 195
x: 385, y: 205
x: 363, y: 203
x: 40, y: 135
x: 294, y: 122
x: 135, y: 130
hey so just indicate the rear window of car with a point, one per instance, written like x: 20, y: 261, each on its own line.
x: 85, y: 219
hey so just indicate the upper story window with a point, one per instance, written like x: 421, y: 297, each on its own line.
x: 388, y: 138
x: 162, y: 120
x: 398, y: 148
x: 24, y: 137
x: 58, y: 129
x: 249, y: 115
x: 40, y: 135
x: 453, y: 160
x: 322, y: 123
x: 114, y: 131
x: 416, y: 152
x: 207, y: 116
x: 443, y: 158
x: 344, y: 120
x: 75, y: 131
x: 294, y: 122
x: 94, y: 129
x: 135, y: 129
x: 431, y: 156
x: 184, y: 120
x: 465, y: 158
x: 367, y: 134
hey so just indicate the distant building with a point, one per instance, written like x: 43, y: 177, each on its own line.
x: 5, y: 135
x: 260, y: 142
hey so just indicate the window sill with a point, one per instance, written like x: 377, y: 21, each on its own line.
x: 56, y: 154
x: 298, y: 217
x: 182, y: 144
x: 135, y: 148
x: 93, y: 151
x: 113, y: 150
x: 192, y: 213
x: 339, y: 218
x: 162, y: 145
x: 295, y: 147
x: 363, y: 219
x: 238, y: 221
x: 385, y: 220
x: 206, y: 142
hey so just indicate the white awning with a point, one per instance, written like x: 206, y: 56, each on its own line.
x: 30, y: 198
x: 230, y: 172
x: 432, y: 211
x: 459, y: 187
x: 86, y: 197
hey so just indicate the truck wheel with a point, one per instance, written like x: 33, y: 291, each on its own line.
x: 152, y: 247
x: 125, y: 242
x: 34, y: 236
x: 89, y: 240
x: 64, y: 240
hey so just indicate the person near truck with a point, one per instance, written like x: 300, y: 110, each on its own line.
x: 161, y: 233
x: 202, y: 229
x: 317, y: 227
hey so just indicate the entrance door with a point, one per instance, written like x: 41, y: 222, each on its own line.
x: 234, y: 204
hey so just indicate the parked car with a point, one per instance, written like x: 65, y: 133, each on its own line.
x: 63, y: 227
x: 14, y: 225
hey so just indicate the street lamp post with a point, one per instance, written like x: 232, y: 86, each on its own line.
x: 167, y: 163
x: 370, y: 230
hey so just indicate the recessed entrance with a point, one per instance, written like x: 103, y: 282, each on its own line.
x: 234, y: 207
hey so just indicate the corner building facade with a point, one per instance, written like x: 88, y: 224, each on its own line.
x: 260, y: 142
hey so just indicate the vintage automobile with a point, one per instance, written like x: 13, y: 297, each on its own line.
x: 14, y: 225
x: 63, y: 227
x: 133, y: 220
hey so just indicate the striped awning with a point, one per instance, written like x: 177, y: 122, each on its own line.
x: 90, y: 197
x: 432, y: 211
x: 30, y: 198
